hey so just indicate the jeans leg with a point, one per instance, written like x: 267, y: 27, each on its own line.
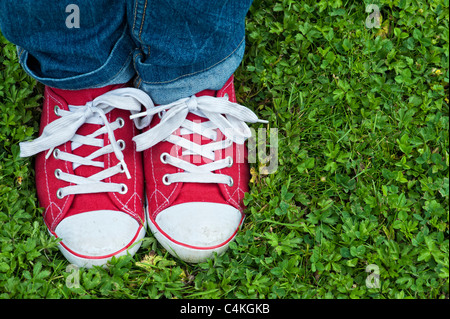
x: 70, y: 44
x: 184, y: 47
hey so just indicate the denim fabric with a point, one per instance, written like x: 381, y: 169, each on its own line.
x: 170, y: 48
x: 96, y: 54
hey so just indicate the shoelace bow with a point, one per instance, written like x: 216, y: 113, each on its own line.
x: 222, y: 114
x: 64, y: 129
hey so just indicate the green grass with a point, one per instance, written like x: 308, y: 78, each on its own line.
x: 362, y: 181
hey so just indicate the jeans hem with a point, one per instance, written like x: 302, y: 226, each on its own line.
x: 117, y: 69
x: 213, y: 77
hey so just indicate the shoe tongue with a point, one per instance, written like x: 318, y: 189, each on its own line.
x: 81, y: 97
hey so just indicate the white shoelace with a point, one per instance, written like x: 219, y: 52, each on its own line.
x: 222, y: 114
x: 64, y: 129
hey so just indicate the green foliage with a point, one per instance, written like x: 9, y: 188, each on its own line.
x: 363, y: 145
x: 362, y: 180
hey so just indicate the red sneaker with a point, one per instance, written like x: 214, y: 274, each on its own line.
x: 196, y: 172
x: 89, y: 178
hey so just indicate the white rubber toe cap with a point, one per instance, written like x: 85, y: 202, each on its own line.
x: 194, y: 231
x: 92, y: 238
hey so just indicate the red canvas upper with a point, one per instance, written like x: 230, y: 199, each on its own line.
x: 161, y: 196
x: 47, y: 184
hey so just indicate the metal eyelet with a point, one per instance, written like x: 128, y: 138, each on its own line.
x: 165, y: 180
x: 121, y: 144
x: 56, y: 110
x: 230, y: 161
x: 122, y: 168
x: 121, y: 122
x: 230, y: 182
x: 163, y: 158
x: 123, y: 189
x: 58, y: 173
x: 56, y: 153
x: 59, y: 194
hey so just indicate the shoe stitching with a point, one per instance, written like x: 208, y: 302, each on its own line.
x: 153, y: 175
x: 231, y: 196
x: 135, y: 169
x: 56, y: 219
x: 124, y: 205
x: 155, y: 193
x: 233, y: 94
x: 160, y: 208
x: 131, y: 212
x: 233, y: 97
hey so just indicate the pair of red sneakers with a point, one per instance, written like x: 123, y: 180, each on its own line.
x: 105, y: 170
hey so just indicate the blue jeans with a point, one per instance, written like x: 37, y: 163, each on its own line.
x: 169, y: 48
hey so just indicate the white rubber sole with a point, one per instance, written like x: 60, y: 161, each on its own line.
x: 186, y: 245
x: 91, y: 261
x: 97, y: 245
